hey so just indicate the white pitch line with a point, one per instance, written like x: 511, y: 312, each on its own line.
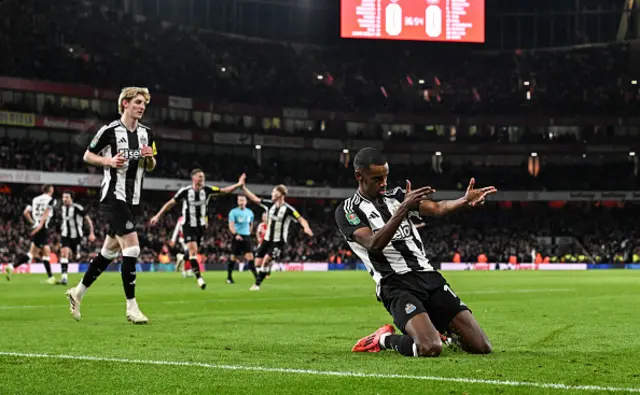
x: 529, y: 384
x: 186, y: 301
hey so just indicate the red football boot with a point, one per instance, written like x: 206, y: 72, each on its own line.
x: 371, y: 343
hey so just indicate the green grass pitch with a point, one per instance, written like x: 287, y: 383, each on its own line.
x: 552, y: 332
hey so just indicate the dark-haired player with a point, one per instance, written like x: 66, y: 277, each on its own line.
x: 39, y: 215
x: 280, y: 215
x: 376, y: 223
x: 71, y: 231
x: 195, y: 199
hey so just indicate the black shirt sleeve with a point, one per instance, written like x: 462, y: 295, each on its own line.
x: 101, y: 140
x: 212, y: 190
x: 349, y: 221
x: 181, y: 194
x: 293, y: 212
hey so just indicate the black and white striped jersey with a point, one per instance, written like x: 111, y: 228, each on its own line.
x: 72, y: 221
x: 279, y: 219
x: 124, y: 183
x: 404, y: 254
x: 194, y: 204
x: 37, y: 208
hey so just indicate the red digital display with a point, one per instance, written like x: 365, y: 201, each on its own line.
x: 418, y: 20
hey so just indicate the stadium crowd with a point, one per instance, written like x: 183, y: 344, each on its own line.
x: 14, y: 233
x: 577, y: 232
x: 108, y: 48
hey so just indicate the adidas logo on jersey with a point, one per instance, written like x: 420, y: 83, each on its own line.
x: 122, y: 140
x: 374, y: 215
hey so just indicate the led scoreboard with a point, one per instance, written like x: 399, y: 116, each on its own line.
x: 418, y: 20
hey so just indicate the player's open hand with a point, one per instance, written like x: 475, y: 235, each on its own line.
x: 146, y: 151
x: 308, y: 232
x: 243, y: 179
x: 154, y: 220
x: 413, y: 198
x: 477, y: 197
x: 117, y: 161
x: 92, y: 237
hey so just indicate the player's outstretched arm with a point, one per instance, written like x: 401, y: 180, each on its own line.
x: 305, y: 226
x: 167, y: 206
x: 251, y: 195
x: 239, y: 184
x: 472, y: 198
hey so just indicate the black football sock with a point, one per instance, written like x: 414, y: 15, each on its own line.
x: 401, y: 343
x: 252, y: 267
x: 195, y: 267
x: 128, y: 270
x: 47, y: 266
x: 21, y: 259
x: 96, y: 267
x: 261, y: 277
x: 230, y: 265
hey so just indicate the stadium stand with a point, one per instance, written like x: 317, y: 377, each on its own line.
x: 104, y: 48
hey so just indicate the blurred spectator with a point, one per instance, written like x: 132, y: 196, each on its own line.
x: 597, y: 232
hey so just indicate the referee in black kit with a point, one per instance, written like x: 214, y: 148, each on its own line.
x: 125, y: 149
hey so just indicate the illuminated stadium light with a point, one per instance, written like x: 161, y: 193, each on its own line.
x: 527, y: 83
x: 634, y: 82
x: 345, y: 151
x: 438, y: 153
x: 258, y: 146
x: 320, y: 77
x: 632, y: 153
x: 534, y: 154
x: 420, y: 81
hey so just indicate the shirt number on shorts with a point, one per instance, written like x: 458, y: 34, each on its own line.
x: 447, y: 289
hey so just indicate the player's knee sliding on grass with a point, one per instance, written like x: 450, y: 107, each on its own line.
x: 377, y: 225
